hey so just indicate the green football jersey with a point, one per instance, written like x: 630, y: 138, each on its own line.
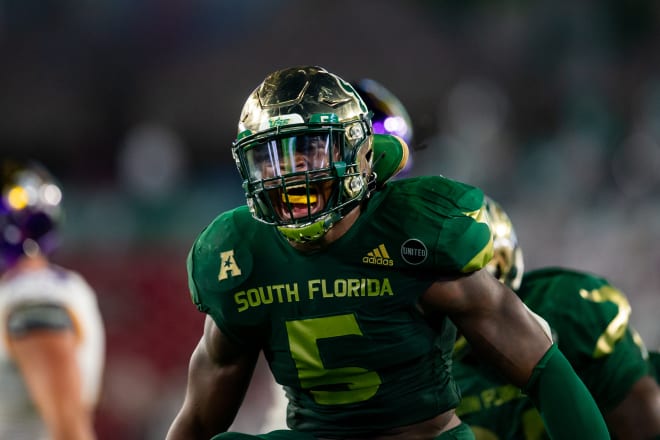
x: 589, y: 320
x: 341, y: 328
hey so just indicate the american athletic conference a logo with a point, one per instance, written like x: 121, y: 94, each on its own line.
x: 414, y: 252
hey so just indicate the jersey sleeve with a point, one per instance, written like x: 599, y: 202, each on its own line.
x: 447, y: 216
x: 218, y: 264
x: 626, y: 364
x: 467, y: 239
x: 26, y: 318
x: 590, y: 321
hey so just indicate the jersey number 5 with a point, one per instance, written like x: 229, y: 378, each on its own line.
x: 329, y: 386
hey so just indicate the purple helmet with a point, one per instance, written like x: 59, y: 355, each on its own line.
x: 30, y: 210
x: 389, y: 114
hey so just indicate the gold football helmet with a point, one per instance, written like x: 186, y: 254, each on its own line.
x: 304, y: 151
x: 507, y: 264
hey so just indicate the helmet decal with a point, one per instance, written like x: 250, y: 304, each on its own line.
x: 278, y: 121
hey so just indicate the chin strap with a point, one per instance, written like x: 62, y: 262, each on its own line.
x: 316, y: 230
x: 312, y: 231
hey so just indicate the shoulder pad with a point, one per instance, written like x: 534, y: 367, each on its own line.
x: 447, y: 216
x: 220, y: 258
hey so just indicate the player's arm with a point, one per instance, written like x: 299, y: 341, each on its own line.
x: 617, y: 370
x: 218, y: 377
x: 638, y: 415
x: 502, y: 332
x: 42, y: 342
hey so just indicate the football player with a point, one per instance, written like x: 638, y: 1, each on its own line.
x: 353, y: 292
x: 52, y: 342
x: 589, y: 320
x: 389, y: 115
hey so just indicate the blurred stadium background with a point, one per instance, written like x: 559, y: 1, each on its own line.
x: 552, y: 107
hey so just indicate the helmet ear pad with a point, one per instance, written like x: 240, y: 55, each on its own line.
x: 364, y: 174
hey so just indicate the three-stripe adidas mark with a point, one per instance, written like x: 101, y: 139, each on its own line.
x: 378, y: 256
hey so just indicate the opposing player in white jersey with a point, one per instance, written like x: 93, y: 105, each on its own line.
x: 52, y: 341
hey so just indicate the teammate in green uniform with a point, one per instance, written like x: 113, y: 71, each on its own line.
x: 654, y: 356
x: 354, y: 290
x: 589, y: 321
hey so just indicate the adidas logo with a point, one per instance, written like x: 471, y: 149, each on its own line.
x: 378, y: 256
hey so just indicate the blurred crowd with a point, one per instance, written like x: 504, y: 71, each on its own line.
x: 552, y: 108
